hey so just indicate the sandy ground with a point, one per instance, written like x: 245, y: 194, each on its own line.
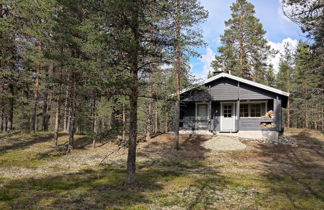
x: 224, y: 143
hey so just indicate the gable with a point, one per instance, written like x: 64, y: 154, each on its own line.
x: 225, y: 88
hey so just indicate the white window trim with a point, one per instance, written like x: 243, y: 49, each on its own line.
x: 254, y: 102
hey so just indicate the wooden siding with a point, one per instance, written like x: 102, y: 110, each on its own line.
x: 252, y: 124
x: 226, y: 89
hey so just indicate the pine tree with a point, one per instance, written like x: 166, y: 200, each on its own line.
x: 285, y: 76
x: 309, y: 16
x: 187, y: 15
x: 244, y: 48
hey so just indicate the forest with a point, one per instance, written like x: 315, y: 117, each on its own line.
x: 108, y: 69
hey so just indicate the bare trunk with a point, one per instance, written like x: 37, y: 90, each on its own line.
x: 131, y: 158
x: 1, y: 119
x: 157, y: 122
x: 124, y: 124
x: 94, y: 119
x: 11, y: 107
x: 166, y: 124
x: 6, y: 124
x: 241, y: 44
x: 72, y: 117
x: 66, y: 121
x: 177, y: 72
x: 57, y: 120
x: 45, y: 114
x: 288, y: 113
x: 149, y: 116
x: 36, y: 94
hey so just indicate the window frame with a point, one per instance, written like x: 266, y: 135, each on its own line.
x: 249, y: 107
x: 196, y: 109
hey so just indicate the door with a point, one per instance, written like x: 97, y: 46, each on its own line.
x: 228, y: 117
x: 201, y: 116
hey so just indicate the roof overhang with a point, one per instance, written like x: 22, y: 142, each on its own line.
x: 239, y: 79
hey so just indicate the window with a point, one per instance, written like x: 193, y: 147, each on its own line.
x: 252, y: 109
x: 227, y: 110
x: 244, y: 110
x: 202, y: 110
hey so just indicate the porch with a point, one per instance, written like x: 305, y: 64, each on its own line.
x: 230, y: 116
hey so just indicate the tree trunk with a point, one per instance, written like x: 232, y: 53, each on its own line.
x: 11, y: 107
x: 157, y: 122
x: 241, y: 44
x: 94, y: 119
x: 57, y: 120
x: 6, y: 124
x: 1, y: 120
x: 149, y: 116
x: 45, y: 115
x: 66, y: 118
x: 36, y: 95
x: 177, y: 72
x: 288, y: 114
x: 166, y: 124
x: 131, y: 158
x: 124, y: 124
x: 72, y: 117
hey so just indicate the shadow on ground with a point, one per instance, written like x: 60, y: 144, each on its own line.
x: 104, y: 187
x: 296, y: 174
x: 23, y: 143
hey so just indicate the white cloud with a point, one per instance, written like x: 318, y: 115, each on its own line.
x: 206, y: 59
x: 279, y: 46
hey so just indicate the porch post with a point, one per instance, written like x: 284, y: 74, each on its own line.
x: 209, y: 115
x: 238, y: 114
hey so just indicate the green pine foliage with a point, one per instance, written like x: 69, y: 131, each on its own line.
x: 244, y: 49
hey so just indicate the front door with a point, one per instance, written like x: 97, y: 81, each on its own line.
x: 228, y: 117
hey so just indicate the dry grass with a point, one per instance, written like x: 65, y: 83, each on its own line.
x: 36, y: 175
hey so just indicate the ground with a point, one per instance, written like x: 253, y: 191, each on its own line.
x: 36, y: 175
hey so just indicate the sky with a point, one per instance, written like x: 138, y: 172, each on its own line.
x: 278, y: 27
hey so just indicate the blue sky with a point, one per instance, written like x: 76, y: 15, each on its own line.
x: 279, y: 30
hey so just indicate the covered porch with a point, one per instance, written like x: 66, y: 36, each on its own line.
x: 230, y: 116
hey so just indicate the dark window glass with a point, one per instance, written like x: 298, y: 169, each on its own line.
x: 244, y: 110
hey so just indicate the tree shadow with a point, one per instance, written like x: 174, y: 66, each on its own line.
x: 296, y: 172
x: 34, y: 139
x: 104, y: 187
x: 8, y: 134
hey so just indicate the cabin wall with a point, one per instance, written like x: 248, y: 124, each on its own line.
x: 225, y: 89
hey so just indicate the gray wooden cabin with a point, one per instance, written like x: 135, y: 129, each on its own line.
x: 226, y: 103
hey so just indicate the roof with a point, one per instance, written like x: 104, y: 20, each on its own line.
x: 239, y: 79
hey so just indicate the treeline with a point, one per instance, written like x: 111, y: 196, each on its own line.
x: 301, y: 72
x: 245, y: 52
x: 103, y: 68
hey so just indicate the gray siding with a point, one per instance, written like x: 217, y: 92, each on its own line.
x: 188, y: 118
x: 224, y: 89
x: 215, y: 116
x: 227, y: 89
x: 252, y: 124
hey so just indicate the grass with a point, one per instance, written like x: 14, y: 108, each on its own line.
x: 263, y: 177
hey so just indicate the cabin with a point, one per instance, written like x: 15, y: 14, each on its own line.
x: 227, y: 104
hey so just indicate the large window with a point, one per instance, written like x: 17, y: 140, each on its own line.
x: 252, y: 109
x: 244, y: 110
